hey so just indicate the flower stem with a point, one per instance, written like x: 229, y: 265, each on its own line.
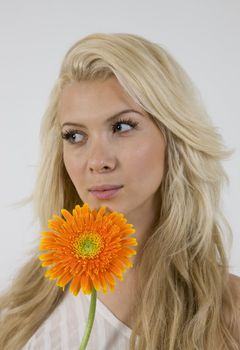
x: 90, y: 320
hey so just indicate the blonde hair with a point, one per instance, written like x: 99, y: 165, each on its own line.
x: 183, y: 281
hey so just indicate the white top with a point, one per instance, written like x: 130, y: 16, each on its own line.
x: 64, y: 328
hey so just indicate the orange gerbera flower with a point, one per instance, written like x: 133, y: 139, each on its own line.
x: 88, y: 248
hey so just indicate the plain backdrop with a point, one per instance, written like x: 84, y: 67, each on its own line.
x: 203, y: 35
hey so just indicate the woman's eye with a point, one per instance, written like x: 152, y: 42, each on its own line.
x: 128, y: 122
x: 72, y: 136
x: 75, y: 136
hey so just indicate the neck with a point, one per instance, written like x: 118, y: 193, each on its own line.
x: 144, y: 222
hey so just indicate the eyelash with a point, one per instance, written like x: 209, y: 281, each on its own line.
x: 69, y: 133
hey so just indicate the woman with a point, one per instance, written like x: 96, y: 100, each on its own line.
x: 124, y: 113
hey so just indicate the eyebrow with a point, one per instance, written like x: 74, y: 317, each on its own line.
x: 109, y: 119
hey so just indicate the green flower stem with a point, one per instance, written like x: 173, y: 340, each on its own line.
x: 91, y: 316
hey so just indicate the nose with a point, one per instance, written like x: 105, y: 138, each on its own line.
x: 101, y: 158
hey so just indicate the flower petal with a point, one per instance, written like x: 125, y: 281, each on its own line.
x: 75, y: 286
x: 64, y: 279
x: 117, y: 271
x: 110, y: 280
x: 86, y: 284
x: 103, y: 282
x: 95, y: 281
x: 69, y: 218
x: 130, y: 241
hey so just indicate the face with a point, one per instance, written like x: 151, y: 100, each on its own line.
x: 110, y: 140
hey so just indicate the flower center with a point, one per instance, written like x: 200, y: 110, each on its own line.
x: 88, y: 245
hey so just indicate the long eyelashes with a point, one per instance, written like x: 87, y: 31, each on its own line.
x: 71, y: 134
x: 128, y: 121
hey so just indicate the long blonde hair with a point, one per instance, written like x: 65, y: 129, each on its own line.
x: 183, y: 284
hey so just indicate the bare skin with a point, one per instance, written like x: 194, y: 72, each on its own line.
x: 121, y: 300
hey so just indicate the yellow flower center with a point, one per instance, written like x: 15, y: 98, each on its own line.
x: 88, y: 245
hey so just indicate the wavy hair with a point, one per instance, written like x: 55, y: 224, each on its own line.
x: 183, y: 273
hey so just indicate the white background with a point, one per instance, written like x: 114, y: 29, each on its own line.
x: 203, y: 35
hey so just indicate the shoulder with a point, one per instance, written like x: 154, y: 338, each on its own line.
x: 234, y: 283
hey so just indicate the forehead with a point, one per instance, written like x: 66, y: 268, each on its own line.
x: 95, y: 97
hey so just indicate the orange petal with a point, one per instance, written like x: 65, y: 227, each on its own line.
x: 100, y: 213
x: 46, y: 256
x: 85, y: 210
x: 55, y: 272
x: 96, y: 283
x: 47, y: 263
x: 130, y: 242
x: 110, y: 279
x: 126, y: 261
x: 64, y: 279
x: 127, y: 252
x: 58, y: 219
x: 75, y: 285
x: 86, y: 284
x: 103, y: 283
x: 117, y: 271
x: 69, y: 218
x: 127, y: 231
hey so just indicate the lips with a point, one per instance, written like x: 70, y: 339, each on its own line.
x: 106, y: 193
x: 105, y: 187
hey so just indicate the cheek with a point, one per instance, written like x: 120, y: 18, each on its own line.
x: 147, y: 162
x: 72, y: 166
